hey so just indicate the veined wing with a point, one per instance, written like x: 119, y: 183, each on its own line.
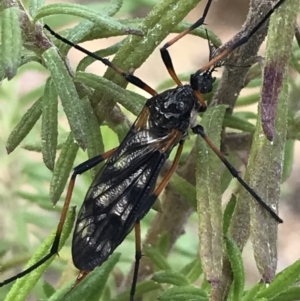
x: 118, y: 198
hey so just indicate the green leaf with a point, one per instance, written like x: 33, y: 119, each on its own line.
x: 94, y: 138
x: 141, y: 288
x: 264, y: 173
x: 282, y: 281
x: 228, y: 214
x: 170, y: 277
x: 68, y: 95
x: 255, y: 83
x: 88, y: 60
x: 63, y: 168
x: 24, y: 126
x: 245, y: 115
x: 133, y: 102
x: 49, y: 130
x: 91, y: 288
x: 226, y: 177
x: 34, y: 6
x: 183, y: 294
x: 11, y: 41
x: 156, y: 257
x: 48, y: 289
x: 163, y: 243
x: 276, y: 66
x: 238, y: 124
x: 23, y: 286
x: 106, y: 295
x: 291, y: 294
x: 193, y: 270
x: 247, y: 100
x: 81, y: 11
x: 209, y: 195
x: 186, y: 189
x: 288, y: 159
x: 113, y: 7
x: 237, y: 267
x: 251, y: 294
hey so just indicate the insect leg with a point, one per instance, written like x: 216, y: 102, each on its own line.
x: 138, y: 256
x: 152, y: 198
x: 199, y: 130
x: 164, y: 52
x: 85, y: 166
x: 241, y: 41
x: 128, y: 76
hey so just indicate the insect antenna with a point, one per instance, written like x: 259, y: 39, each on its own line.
x: 242, y: 40
x: 128, y: 76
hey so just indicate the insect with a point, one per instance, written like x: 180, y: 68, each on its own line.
x: 125, y: 189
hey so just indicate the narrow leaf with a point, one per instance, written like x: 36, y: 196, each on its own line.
x: 141, y: 288
x: 288, y: 160
x: 183, y: 294
x: 23, y: 286
x: 282, y: 281
x: 68, y: 95
x: 113, y: 7
x: 34, y: 6
x: 133, y: 102
x: 94, y: 138
x: 251, y: 294
x: 228, y: 213
x: 193, y: 270
x: 291, y: 294
x: 163, y: 243
x: 63, y: 168
x: 156, y: 257
x: 277, y: 60
x: 49, y: 130
x: 48, y: 289
x: 237, y: 266
x: 209, y: 195
x: 78, y: 10
x: 170, y: 277
x: 91, y: 288
x: 237, y: 123
x: 85, y: 62
x: 265, y: 169
x: 11, y: 41
x: 186, y: 189
x: 24, y: 126
x: 247, y: 100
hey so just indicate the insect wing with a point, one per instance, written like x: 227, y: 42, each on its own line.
x: 117, y: 199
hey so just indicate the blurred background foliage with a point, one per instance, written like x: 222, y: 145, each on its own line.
x: 27, y: 215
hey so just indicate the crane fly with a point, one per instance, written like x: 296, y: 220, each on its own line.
x: 126, y: 187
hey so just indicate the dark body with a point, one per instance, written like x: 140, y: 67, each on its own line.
x: 122, y: 193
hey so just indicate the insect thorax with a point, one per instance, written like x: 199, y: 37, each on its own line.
x: 203, y: 82
x: 173, y: 109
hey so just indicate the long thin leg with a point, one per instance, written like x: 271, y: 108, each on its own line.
x: 164, y: 52
x: 199, y: 130
x: 138, y: 256
x: 129, y: 77
x: 83, y: 167
x: 241, y: 41
x: 152, y: 198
